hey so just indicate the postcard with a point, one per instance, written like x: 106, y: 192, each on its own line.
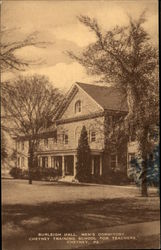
x: 80, y: 124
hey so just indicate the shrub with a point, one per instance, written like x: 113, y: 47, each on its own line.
x: 45, y: 173
x: 37, y: 173
x: 112, y: 178
x: 25, y: 174
x: 16, y: 172
x: 83, y: 158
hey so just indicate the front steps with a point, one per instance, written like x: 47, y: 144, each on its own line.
x: 69, y: 179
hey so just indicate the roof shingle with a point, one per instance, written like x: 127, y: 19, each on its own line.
x: 107, y: 97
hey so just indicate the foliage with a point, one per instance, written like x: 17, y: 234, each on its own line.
x: 45, y: 173
x: 153, y: 170
x: 48, y: 173
x: 83, y: 158
x: 38, y: 173
x: 126, y: 57
x: 14, y: 155
x: 9, y: 61
x: 16, y: 172
x: 4, y: 153
x: 30, y: 104
x: 112, y: 178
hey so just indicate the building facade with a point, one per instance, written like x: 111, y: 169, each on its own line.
x: 96, y: 108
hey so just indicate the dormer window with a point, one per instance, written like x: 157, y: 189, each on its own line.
x: 78, y: 107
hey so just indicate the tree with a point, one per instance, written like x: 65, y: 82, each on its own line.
x: 29, y: 104
x: 4, y: 153
x: 83, y: 158
x: 126, y: 57
x: 9, y: 61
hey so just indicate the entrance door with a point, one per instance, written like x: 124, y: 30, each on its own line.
x: 69, y: 164
x: 96, y: 165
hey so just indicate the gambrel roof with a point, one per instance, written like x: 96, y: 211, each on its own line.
x: 107, y: 97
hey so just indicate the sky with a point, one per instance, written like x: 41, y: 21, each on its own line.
x: 56, y: 23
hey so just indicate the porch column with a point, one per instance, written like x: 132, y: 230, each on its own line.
x: 40, y: 162
x: 116, y: 161
x: 100, y: 164
x: 63, y: 166
x: 92, y: 166
x: 49, y: 161
x: 74, y: 165
x: 20, y: 161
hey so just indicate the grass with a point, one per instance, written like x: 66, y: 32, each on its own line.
x: 86, y: 214
x: 27, y: 211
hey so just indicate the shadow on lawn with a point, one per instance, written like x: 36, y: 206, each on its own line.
x: 82, y: 215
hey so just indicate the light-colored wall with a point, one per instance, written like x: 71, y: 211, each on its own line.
x: 88, y: 105
x: 22, y: 153
x: 73, y: 130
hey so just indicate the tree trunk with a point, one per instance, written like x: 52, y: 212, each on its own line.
x: 30, y: 163
x: 144, y: 150
x: 144, y: 189
x: 30, y: 179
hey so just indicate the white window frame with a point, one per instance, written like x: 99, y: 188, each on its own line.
x: 66, y: 139
x: 92, y: 137
x: 78, y: 107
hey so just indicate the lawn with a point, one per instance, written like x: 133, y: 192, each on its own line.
x: 48, y: 207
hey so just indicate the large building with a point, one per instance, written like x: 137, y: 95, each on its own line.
x: 95, y: 107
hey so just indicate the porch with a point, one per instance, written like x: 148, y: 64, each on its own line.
x: 66, y: 164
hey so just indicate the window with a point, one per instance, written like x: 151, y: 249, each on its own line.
x: 39, y: 161
x: 22, y: 145
x: 18, y: 162
x: 113, y: 161
x: 46, y: 142
x: 78, y: 107
x: 93, y: 136
x: 23, y: 161
x: 65, y: 139
x: 131, y: 160
x: 52, y: 161
x: 55, y: 162
x: 54, y: 140
x: 44, y: 162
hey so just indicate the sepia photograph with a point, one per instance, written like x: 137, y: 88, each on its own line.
x: 80, y: 163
